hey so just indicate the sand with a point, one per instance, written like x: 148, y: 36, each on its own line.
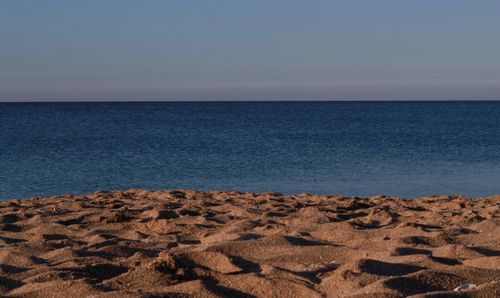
x: 182, y: 243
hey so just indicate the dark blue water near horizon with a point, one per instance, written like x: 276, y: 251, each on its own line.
x: 406, y: 149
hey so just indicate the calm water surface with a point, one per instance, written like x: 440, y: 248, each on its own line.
x: 404, y: 149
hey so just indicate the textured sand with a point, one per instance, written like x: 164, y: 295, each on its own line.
x: 191, y: 244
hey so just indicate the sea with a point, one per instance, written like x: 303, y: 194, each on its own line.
x: 403, y: 149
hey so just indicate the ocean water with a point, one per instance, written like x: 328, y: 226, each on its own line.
x: 406, y: 149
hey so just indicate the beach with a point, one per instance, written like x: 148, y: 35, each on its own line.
x: 183, y: 243
x: 249, y: 149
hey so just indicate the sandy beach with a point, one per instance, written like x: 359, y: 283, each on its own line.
x: 181, y: 243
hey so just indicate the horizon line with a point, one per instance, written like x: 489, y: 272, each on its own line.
x: 244, y: 100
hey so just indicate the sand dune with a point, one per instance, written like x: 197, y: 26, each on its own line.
x: 190, y: 244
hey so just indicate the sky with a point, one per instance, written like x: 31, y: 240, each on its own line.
x: 61, y: 50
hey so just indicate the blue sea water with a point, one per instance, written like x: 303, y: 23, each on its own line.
x: 406, y: 149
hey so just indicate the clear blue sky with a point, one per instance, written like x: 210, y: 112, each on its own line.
x: 249, y: 50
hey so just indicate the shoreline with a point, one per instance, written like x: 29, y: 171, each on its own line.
x: 186, y: 243
x: 237, y: 192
